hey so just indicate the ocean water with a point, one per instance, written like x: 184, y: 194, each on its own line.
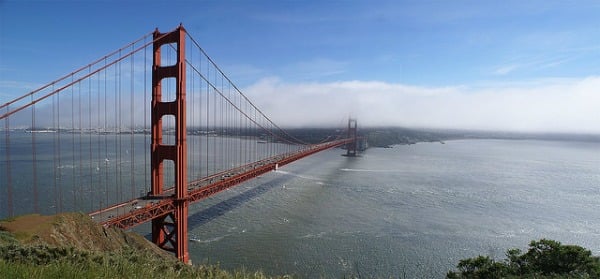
x: 412, y: 211
x: 65, y: 171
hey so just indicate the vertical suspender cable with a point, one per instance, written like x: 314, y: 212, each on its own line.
x: 195, y: 123
x: 190, y: 104
x: 105, y: 137
x: 36, y: 208
x: 90, y: 157
x: 226, y: 150
x: 248, y: 137
x: 222, y: 136
x: 80, y: 169
x: 230, y: 123
x: 72, y: 149
x: 59, y: 169
x: 146, y: 152
x: 73, y: 182
x: 200, y: 122
x: 208, y: 122
x: 239, y: 121
x: 9, y: 200
x: 132, y: 127
x: 215, y: 123
x: 207, y: 118
x: 245, y: 129
x: 236, y: 127
x: 215, y: 128
x: 116, y: 136
x: 246, y: 141
x: 100, y: 161
x: 55, y: 155
x: 255, y: 133
x: 118, y: 130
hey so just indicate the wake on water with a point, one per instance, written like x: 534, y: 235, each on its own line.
x: 298, y: 175
x: 367, y: 170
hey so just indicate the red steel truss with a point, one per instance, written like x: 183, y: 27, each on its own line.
x: 165, y: 205
x: 170, y: 234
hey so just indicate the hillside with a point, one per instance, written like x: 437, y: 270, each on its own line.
x: 75, y: 230
x: 71, y: 245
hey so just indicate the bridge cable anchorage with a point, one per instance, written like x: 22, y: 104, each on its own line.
x: 206, y: 136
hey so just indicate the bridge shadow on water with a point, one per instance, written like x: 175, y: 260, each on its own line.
x: 217, y: 210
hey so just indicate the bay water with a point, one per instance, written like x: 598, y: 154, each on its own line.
x: 412, y: 211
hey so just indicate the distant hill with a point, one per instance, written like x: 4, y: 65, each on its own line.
x: 376, y: 137
x: 389, y: 136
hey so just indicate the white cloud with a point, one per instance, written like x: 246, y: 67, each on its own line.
x: 505, y: 69
x: 561, y: 105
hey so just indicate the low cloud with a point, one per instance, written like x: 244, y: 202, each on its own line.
x: 562, y: 105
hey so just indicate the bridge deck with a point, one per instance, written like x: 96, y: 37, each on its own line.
x: 143, y: 209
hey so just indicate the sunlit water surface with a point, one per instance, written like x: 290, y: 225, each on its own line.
x: 410, y: 211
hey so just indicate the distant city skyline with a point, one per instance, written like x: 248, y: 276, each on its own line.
x: 527, y: 66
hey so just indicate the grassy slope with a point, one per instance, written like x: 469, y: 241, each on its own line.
x: 72, y: 246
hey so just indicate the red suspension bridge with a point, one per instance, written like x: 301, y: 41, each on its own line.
x: 138, y: 135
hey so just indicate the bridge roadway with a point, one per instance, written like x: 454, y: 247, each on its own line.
x: 143, y: 209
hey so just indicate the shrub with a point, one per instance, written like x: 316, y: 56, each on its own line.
x: 544, y: 259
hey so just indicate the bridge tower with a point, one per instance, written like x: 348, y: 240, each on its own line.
x: 170, y: 231
x: 352, y: 134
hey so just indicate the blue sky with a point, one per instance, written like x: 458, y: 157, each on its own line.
x: 509, y: 65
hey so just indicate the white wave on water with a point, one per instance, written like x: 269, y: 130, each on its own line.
x: 367, y: 170
x: 232, y: 229
x: 504, y: 234
x: 298, y: 175
x: 512, y: 233
x: 204, y: 241
x: 310, y: 235
x: 344, y: 263
x: 66, y: 167
x: 584, y: 231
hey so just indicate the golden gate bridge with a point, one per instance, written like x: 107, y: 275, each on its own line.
x: 137, y: 136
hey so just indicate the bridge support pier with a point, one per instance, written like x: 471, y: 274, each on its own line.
x: 170, y: 231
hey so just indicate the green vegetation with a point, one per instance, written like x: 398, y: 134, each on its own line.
x: 40, y: 261
x: 72, y: 246
x: 545, y: 259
